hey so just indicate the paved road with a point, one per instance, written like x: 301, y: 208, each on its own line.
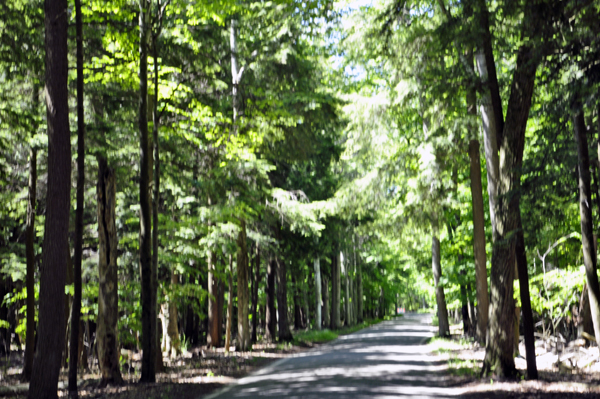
x: 387, y: 360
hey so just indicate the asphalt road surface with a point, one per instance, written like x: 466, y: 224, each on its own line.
x: 388, y: 360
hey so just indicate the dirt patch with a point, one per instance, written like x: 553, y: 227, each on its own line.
x: 555, y: 381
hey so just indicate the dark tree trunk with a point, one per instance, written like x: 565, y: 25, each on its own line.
x: 270, y: 317
x: 78, y: 248
x: 51, y: 334
x: 30, y: 277
x: 587, y: 229
x: 213, y: 338
x: 108, y: 300
x: 229, y: 306
x: 442, y: 312
x: 528, y: 326
x: 335, y: 290
x: 148, y: 293
x: 297, y: 309
x: 479, y: 242
x: 499, y: 348
x: 243, y: 333
x: 326, y: 314
x: 359, y: 283
x: 284, y: 333
x: 255, y: 280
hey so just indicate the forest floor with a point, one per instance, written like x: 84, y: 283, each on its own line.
x: 465, y: 358
x: 192, y: 374
x: 188, y: 376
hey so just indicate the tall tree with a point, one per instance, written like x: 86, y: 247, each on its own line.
x: 108, y: 300
x: 585, y: 211
x: 148, y: 310
x: 78, y: 245
x: 270, y: 316
x: 50, y: 343
x: 243, y: 333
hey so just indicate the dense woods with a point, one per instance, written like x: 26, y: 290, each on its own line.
x: 176, y: 174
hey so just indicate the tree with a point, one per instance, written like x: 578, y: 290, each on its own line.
x: 47, y: 358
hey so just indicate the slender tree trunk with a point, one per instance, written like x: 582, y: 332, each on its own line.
x: 360, y: 303
x: 214, y: 329
x: 442, y: 312
x: 348, y: 308
x: 318, y: 318
x: 270, y: 316
x: 335, y: 290
x: 172, y: 327
x: 78, y: 250
x: 284, y: 333
x: 255, y: 280
x: 229, y: 306
x: 479, y: 242
x: 243, y: 334
x: 148, y: 303
x: 30, y: 277
x: 587, y: 229
x: 51, y: 338
x: 297, y: 308
x: 108, y: 301
x: 528, y: 326
x: 325, y: 311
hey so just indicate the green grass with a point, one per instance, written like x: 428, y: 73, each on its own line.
x: 456, y: 366
x: 318, y: 337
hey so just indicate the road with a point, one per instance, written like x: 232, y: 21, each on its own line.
x: 388, y: 360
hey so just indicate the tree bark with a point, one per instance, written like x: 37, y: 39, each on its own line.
x: 297, y: 307
x: 108, y: 300
x: 335, y: 290
x: 284, y: 333
x: 255, y: 280
x: 229, y: 306
x: 325, y: 311
x: 359, y: 283
x: 270, y: 316
x: 148, y: 285
x: 318, y: 300
x: 78, y: 247
x: 479, y: 242
x: 587, y: 229
x: 528, y: 325
x: 51, y: 338
x: 30, y: 276
x: 174, y: 348
x: 444, y: 326
x: 243, y: 334
x: 499, y: 348
x: 213, y: 338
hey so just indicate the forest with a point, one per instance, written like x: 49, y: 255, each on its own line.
x: 179, y: 174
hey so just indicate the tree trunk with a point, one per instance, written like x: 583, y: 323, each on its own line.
x: 360, y: 303
x: 50, y: 342
x: 297, y: 307
x: 30, y: 276
x: 284, y: 333
x: 243, y: 334
x: 442, y: 312
x: 148, y: 285
x: 108, y: 300
x: 78, y: 247
x: 255, y: 280
x: 172, y: 328
x: 347, y: 307
x: 325, y: 311
x: 499, y: 348
x: 213, y: 338
x: 335, y: 290
x: 270, y: 316
x: 229, y: 306
x: 479, y: 242
x: 528, y: 326
x: 587, y: 229
x: 318, y: 318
